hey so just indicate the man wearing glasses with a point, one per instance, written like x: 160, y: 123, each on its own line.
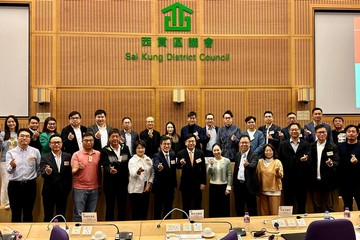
x: 324, y: 158
x: 87, y: 177
x: 23, y: 165
x: 71, y: 135
x: 56, y: 170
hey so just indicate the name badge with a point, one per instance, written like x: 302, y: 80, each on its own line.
x: 66, y: 163
x: 271, y: 132
x: 31, y: 159
x: 119, y: 158
x: 172, y: 161
x: 330, y: 153
x: 198, y: 160
x: 300, y: 136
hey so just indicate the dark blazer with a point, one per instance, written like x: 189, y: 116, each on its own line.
x: 205, y: 139
x: 191, y: 175
x: 295, y: 171
x: 152, y: 144
x: 311, y: 127
x: 70, y: 146
x: 165, y: 179
x: 56, y: 182
x: 328, y: 174
x: 35, y: 143
x: 109, y: 159
x: 349, y: 173
x: 134, y: 138
x: 274, y: 132
x: 251, y: 179
x: 93, y: 129
x: 188, y: 130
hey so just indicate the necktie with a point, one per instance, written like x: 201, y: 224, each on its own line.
x: 191, y: 158
x: 167, y: 159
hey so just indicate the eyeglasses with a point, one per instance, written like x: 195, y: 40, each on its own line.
x: 75, y: 118
x: 56, y: 143
x: 244, y: 143
x: 24, y: 136
x: 321, y: 132
x: 88, y: 140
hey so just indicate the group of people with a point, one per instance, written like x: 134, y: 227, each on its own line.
x: 270, y: 164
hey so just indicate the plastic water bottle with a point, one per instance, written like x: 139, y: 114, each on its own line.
x: 327, y: 215
x: 347, y: 213
x: 247, y: 221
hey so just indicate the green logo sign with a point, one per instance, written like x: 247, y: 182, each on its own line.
x: 177, y: 18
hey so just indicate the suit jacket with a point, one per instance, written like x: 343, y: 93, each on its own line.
x: 191, y: 175
x: 152, y: 144
x: 56, y: 182
x: 70, y: 146
x: 328, y: 174
x: 165, y: 179
x: 205, y: 139
x: 134, y: 138
x: 311, y: 127
x: 229, y: 147
x: 274, y: 132
x: 295, y: 171
x: 93, y: 129
x: 251, y: 179
x: 109, y: 159
x: 35, y: 143
x: 188, y: 130
x: 349, y: 173
x: 257, y: 144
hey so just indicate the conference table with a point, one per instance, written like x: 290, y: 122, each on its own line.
x: 148, y: 229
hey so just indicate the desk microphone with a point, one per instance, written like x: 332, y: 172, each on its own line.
x: 117, y: 236
x: 299, y: 217
x: 172, y: 210
x: 66, y: 226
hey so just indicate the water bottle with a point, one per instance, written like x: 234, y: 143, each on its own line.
x: 56, y: 222
x: 347, y: 213
x: 327, y: 215
x: 247, y: 221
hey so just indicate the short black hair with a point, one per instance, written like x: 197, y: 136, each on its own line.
x: 191, y: 114
x: 319, y: 126
x: 76, y: 112
x: 164, y: 138
x: 35, y: 118
x: 190, y: 135
x: 54, y: 135
x: 268, y: 112
x: 272, y: 148
x: 124, y: 118
x: 23, y: 130
x: 244, y: 136
x: 351, y: 126
x: 99, y: 112
x: 248, y: 118
x: 289, y: 113
x: 208, y: 115
x: 114, y: 131
x: 338, y: 117
x: 316, y: 108
x: 228, y: 112
x: 297, y: 124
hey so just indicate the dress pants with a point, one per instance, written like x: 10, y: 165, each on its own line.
x: 54, y: 202
x: 242, y: 196
x: 219, y: 203
x: 139, y: 205
x: 163, y: 202
x: 118, y: 194
x: 22, y: 196
x: 191, y: 198
x: 269, y: 205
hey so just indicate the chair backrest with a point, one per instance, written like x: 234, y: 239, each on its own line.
x: 330, y: 229
x: 231, y: 236
x: 57, y: 233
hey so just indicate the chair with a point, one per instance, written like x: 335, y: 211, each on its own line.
x: 57, y: 233
x: 231, y: 236
x: 330, y: 229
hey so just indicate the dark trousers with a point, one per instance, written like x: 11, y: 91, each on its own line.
x: 22, y: 196
x: 295, y: 195
x: 116, y: 194
x: 139, y: 205
x: 347, y: 196
x: 191, y: 198
x: 163, y: 200
x: 54, y: 202
x: 219, y: 203
x: 242, y: 196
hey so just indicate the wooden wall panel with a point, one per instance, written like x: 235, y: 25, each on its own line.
x: 177, y: 72
x: 177, y: 113
x: 84, y: 101
x: 43, y: 60
x: 43, y: 15
x: 246, y: 17
x: 276, y: 100
x: 218, y: 101
x: 263, y: 62
x: 100, y: 61
x: 303, y: 62
x: 105, y: 16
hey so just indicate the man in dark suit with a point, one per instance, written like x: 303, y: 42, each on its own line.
x: 34, y: 123
x: 100, y: 130
x: 293, y: 156
x: 55, y: 168
x: 165, y: 182
x: 324, y: 158
x: 128, y: 136
x: 245, y: 180
x: 151, y: 138
x: 191, y: 128
x: 285, y: 134
x: 309, y: 128
x: 208, y: 135
x: 193, y: 175
x: 270, y: 130
x: 71, y: 135
x: 115, y: 159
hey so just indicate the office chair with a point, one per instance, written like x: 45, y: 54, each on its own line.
x: 330, y: 229
x: 231, y: 236
x: 57, y: 233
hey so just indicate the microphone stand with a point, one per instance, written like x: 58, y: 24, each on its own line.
x: 172, y: 210
x: 66, y: 226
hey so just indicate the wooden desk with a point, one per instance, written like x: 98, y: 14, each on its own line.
x: 22, y: 228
